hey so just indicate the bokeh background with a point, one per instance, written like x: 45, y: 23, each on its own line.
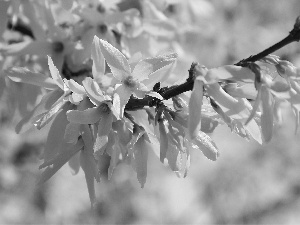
x: 248, y: 184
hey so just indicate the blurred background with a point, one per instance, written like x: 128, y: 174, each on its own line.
x: 248, y: 184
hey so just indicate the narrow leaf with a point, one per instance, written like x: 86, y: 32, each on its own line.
x: 72, y: 133
x: 56, y: 135
x: 41, y: 48
x: 48, y: 116
x: 85, y: 162
x: 88, y: 116
x: 114, y: 159
x: 104, y: 128
x: 88, y: 163
x: 45, y: 105
x: 58, y: 161
x: 141, y: 157
x: 22, y: 74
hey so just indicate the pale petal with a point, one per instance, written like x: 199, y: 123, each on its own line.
x: 75, y: 87
x: 148, y: 66
x: 267, y: 114
x: 195, y: 105
x: 230, y: 72
x: 116, y: 60
x: 55, y: 74
x: 244, y: 91
x: 124, y: 94
x: 206, y: 145
x: 163, y: 140
x: 98, y: 68
x: 93, y: 91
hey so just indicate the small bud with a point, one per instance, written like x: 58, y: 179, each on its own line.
x: 297, y: 24
x: 286, y: 68
x: 271, y: 59
x: 58, y: 47
x: 102, y: 28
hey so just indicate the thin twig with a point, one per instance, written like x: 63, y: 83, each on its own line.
x: 172, y: 91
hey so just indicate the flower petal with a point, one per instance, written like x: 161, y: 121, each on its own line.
x: 267, y: 114
x: 148, y: 66
x: 116, y: 60
x: 75, y: 87
x: 55, y: 74
x: 98, y: 68
x: 93, y: 91
x: 163, y: 140
x: 230, y: 72
x: 206, y: 145
x: 124, y: 94
x: 195, y: 105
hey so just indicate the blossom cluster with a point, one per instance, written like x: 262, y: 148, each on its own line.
x: 80, y: 55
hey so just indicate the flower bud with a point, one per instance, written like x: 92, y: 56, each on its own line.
x: 286, y: 68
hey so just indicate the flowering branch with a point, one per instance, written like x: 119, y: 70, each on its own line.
x: 293, y: 36
x: 172, y: 91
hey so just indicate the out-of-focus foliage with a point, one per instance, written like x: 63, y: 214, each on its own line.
x: 73, y: 69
